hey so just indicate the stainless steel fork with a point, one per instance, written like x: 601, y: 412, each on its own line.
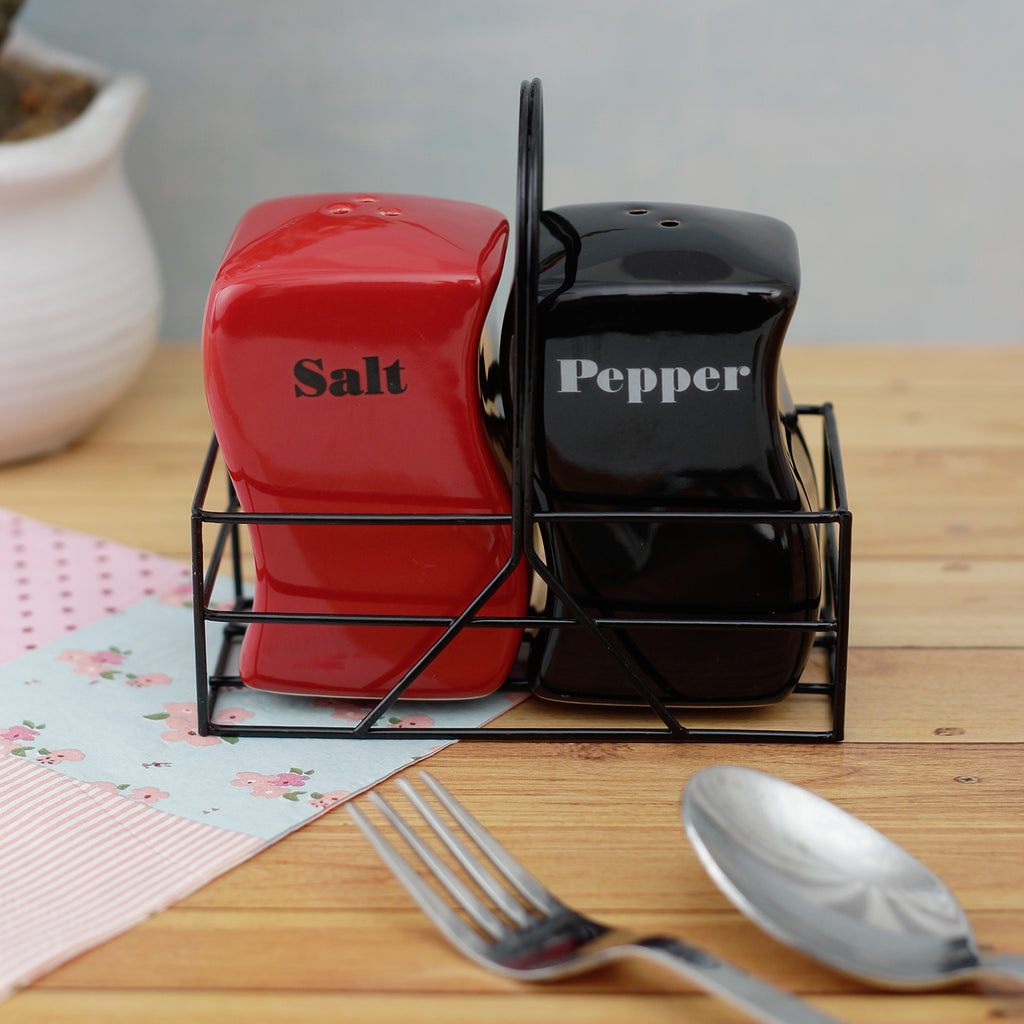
x: 521, y: 930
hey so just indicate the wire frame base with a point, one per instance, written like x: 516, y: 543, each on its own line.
x: 562, y: 723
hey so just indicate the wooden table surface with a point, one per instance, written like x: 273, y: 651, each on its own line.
x: 315, y: 929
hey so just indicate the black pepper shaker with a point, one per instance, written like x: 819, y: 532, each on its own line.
x: 657, y: 387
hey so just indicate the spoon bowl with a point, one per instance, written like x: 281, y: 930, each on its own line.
x: 827, y: 884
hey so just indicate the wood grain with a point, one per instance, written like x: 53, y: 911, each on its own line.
x: 533, y: 1006
x: 315, y: 928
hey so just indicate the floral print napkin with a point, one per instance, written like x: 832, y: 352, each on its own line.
x: 112, y: 806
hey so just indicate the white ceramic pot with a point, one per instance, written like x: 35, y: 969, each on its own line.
x: 79, y: 283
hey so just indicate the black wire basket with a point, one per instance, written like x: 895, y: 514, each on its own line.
x: 655, y: 721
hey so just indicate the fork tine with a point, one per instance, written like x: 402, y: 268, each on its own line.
x: 517, y: 876
x: 483, y: 878
x: 454, y: 928
x: 480, y: 913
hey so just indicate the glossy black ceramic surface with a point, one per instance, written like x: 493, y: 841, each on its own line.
x: 658, y: 387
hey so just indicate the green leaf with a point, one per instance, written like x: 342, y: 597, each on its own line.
x: 42, y: 750
x: 20, y: 751
x: 291, y: 796
x: 230, y: 739
x: 315, y: 796
x: 158, y: 717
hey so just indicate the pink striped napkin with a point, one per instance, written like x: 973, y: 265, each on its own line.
x: 84, y: 864
x: 112, y: 807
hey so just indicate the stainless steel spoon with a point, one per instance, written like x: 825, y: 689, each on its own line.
x: 824, y: 882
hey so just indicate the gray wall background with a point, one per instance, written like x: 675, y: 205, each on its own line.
x: 888, y: 133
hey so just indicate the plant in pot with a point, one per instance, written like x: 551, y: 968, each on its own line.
x: 80, y: 287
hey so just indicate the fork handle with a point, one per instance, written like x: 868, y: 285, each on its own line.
x: 761, y: 1000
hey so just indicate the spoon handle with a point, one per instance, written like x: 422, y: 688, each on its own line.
x: 1010, y: 965
x: 764, y: 1002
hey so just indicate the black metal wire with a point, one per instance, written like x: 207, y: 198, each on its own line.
x: 832, y: 626
x: 835, y: 520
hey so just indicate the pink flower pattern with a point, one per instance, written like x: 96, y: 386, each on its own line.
x: 180, y: 725
x: 17, y: 739
x: 149, y: 679
x: 325, y: 801
x: 260, y: 785
x: 143, y: 794
x: 411, y: 722
x: 57, y: 756
x: 93, y: 663
x: 109, y: 657
x: 181, y: 722
x: 148, y: 794
x: 291, y: 779
x: 102, y: 665
x: 231, y: 716
x: 107, y: 787
x: 352, y: 711
x: 19, y: 732
x: 272, y: 786
x: 179, y: 729
x: 115, y: 672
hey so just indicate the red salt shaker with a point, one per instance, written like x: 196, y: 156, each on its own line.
x: 340, y: 355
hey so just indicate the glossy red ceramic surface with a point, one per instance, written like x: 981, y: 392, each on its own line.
x: 340, y: 354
